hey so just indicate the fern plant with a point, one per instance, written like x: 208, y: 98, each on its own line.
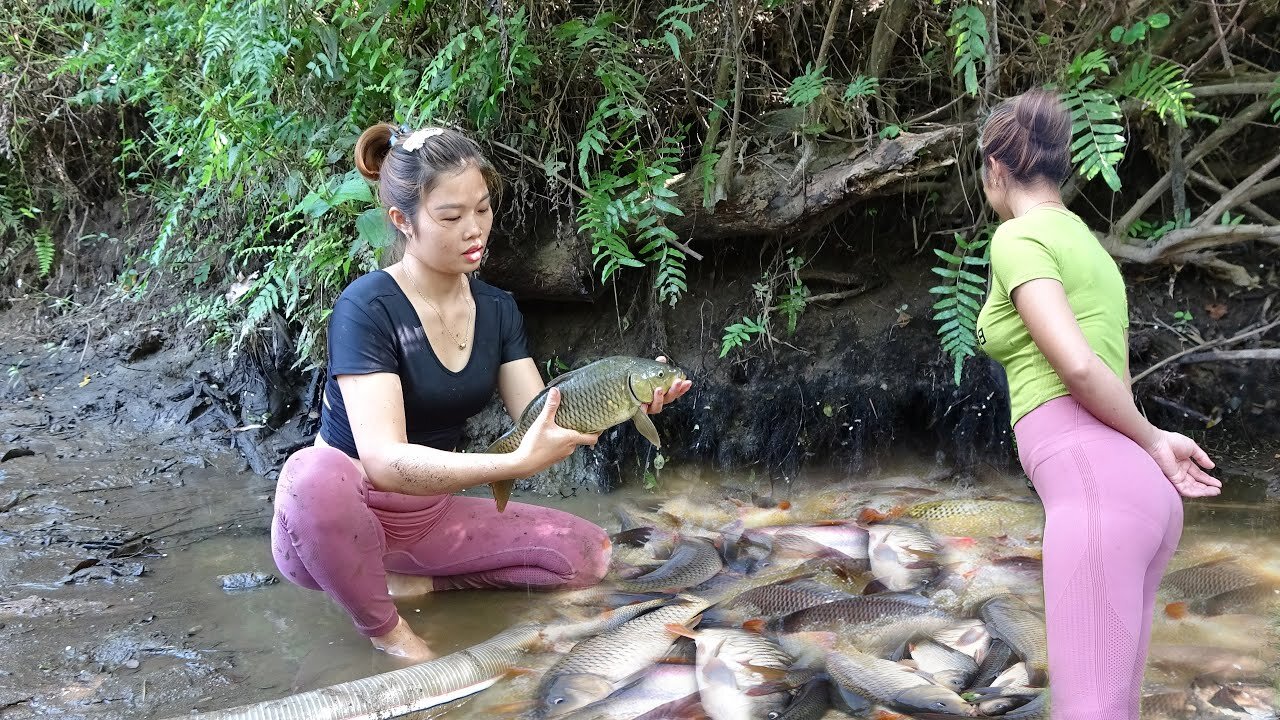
x: 44, y: 251
x: 962, y: 295
x: 1275, y: 104
x: 969, y: 28
x: 1161, y: 89
x: 1098, y: 141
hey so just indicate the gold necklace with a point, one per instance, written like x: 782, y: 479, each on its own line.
x: 462, y: 344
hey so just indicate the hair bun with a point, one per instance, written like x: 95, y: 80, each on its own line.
x: 372, y: 149
x: 1044, y: 117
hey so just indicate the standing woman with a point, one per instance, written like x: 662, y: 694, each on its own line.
x: 1057, y: 320
x: 368, y: 513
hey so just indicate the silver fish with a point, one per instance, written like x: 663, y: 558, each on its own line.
x: 600, y: 665
x: 892, y: 684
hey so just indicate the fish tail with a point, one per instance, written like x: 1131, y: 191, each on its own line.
x: 502, y: 492
x: 755, y: 625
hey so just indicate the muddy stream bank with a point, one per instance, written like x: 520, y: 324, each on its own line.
x: 113, y: 540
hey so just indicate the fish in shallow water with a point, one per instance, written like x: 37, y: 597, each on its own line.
x: 594, y: 398
x: 598, y: 666
x: 892, y: 684
x: 978, y: 517
x: 668, y: 690
x: 730, y: 675
x: 902, y: 557
x: 1015, y: 622
x: 1207, y: 579
x: 693, y: 562
x: 945, y: 665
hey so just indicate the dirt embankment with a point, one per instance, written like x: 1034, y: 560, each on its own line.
x: 862, y: 377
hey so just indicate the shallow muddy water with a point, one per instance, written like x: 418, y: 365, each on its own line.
x: 172, y: 640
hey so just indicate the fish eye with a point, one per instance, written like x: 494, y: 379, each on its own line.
x: 774, y: 715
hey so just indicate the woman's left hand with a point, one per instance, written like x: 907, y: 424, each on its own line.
x: 661, y: 398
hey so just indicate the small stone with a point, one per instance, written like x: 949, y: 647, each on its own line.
x: 247, y: 580
x: 131, y: 664
x: 193, y: 630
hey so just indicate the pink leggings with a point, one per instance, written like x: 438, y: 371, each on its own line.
x: 334, y: 532
x: 1112, y: 522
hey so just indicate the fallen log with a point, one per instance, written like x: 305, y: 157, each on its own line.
x: 760, y: 201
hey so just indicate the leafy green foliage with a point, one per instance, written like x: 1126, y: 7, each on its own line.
x: 1138, y: 31
x: 1162, y: 89
x: 742, y: 333
x: 1275, y: 104
x: 781, y: 280
x: 862, y: 87
x: 808, y: 87
x: 969, y: 28
x: 957, y: 311
x: 44, y: 251
x: 1098, y: 140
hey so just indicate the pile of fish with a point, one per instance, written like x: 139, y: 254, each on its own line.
x: 744, y: 608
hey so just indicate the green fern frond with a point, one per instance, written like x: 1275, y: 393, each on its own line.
x: 808, y: 87
x: 44, y: 252
x: 1098, y: 140
x: 862, y: 87
x: 962, y: 297
x: 969, y: 28
x: 1162, y: 89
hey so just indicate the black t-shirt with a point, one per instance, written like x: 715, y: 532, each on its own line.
x: 374, y: 328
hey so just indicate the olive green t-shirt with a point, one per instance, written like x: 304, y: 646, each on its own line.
x: 1049, y: 242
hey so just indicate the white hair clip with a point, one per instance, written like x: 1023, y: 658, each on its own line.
x: 414, y: 141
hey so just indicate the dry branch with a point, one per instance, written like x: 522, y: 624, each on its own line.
x: 1232, y: 356
x: 1249, y: 207
x: 1225, y: 132
x: 1237, y: 194
x: 1204, y: 346
x: 1188, y: 240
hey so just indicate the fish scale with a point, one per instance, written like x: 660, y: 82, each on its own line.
x: 593, y: 398
x: 1208, y: 579
x: 615, y: 657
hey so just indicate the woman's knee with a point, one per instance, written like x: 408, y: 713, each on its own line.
x: 594, y: 551
x: 315, y: 479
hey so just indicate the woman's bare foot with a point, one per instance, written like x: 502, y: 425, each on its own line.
x: 402, y: 642
x: 403, y: 586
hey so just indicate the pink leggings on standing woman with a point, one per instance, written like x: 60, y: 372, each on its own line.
x: 335, y: 532
x: 1112, y: 523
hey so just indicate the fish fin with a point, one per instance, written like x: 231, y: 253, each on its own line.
x: 688, y: 707
x: 502, y: 492
x: 871, y: 515
x: 714, y: 670
x: 675, y: 660
x: 755, y: 625
x: 519, y: 671
x: 875, y: 587
x: 771, y: 687
x: 1177, y: 610
x: 852, y: 700
x: 768, y: 673
x: 635, y: 537
x: 1037, y: 676
x: 646, y: 428
x: 681, y: 630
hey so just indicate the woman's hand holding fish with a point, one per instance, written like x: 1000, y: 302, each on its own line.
x: 661, y: 398
x: 547, y: 443
x: 1182, y: 461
